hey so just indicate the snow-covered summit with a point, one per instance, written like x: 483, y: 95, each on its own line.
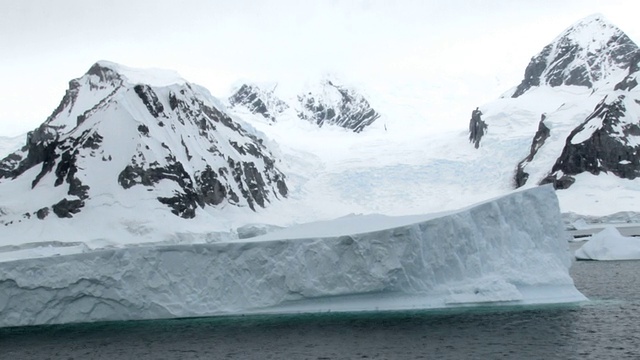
x: 586, y: 53
x: 150, y: 76
x: 132, y: 144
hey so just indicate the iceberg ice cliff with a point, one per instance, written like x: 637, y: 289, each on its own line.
x: 512, y: 249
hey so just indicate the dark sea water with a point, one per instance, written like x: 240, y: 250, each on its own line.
x: 606, y: 328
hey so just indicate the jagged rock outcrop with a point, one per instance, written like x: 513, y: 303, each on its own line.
x: 539, y: 138
x: 322, y: 103
x: 570, y: 60
x: 336, y: 105
x: 258, y: 101
x: 477, y: 127
x: 117, y: 129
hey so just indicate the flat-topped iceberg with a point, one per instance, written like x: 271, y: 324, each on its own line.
x: 509, y: 250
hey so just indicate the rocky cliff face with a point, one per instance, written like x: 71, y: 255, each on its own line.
x: 324, y: 103
x: 258, y: 101
x: 119, y: 129
x: 337, y: 105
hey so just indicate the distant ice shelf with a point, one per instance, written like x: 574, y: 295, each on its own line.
x: 509, y: 250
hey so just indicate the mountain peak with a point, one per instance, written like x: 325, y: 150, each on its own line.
x: 107, y: 70
x: 586, y: 53
x: 121, y: 133
x: 591, y: 32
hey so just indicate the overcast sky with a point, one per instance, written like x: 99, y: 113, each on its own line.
x: 463, y: 53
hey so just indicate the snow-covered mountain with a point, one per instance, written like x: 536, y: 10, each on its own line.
x: 325, y: 102
x: 138, y: 148
x: 579, y: 104
x: 139, y: 143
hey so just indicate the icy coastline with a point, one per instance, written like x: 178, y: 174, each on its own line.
x: 512, y: 249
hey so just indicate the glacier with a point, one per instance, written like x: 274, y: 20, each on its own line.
x: 512, y: 249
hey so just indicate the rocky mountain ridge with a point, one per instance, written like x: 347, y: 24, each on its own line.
x: 118, y: 129
x: 326, y: 103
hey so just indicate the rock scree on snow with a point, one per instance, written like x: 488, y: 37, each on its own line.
x: 512, y: 249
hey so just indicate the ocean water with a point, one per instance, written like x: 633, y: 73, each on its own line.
x: 608, y: 327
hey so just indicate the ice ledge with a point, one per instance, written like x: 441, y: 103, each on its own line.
x: 512, y: 249
x: 148, y: 76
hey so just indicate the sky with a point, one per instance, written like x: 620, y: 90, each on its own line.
x: 447, y: 57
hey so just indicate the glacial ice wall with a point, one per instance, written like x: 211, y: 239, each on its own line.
x: 512, y: 249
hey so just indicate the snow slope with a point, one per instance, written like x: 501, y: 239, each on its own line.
x: 509, y: 250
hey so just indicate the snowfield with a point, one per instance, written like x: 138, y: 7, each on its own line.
x: 509, y: 250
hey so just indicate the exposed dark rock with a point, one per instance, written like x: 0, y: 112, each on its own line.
x: 150, y: 99
x: 93, y: 141
x: 66, y: 170
x: 39, y: 148
x: 133, y: 175
x: 561, y: 183
x: 630, y: 81
x: 104, y: 73
x: 605, y: 149
x: 282, y: 187
x: 212, y: 191
x: 477, y: 127
x: 182, y: 204
x: 143, y: 129
x: 69, y: 98
x: 173, y: 101
x: 533, y: 72
x: 352, y: 112
x: 542, y: 134
x: 186, y: 149
x: 258, y: 101
x: 66, y: 208
x: 42, y: 213
x: 257, y: 186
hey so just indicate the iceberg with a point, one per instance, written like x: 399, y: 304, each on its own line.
x: 508, y: 250
x: 609, y: 244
